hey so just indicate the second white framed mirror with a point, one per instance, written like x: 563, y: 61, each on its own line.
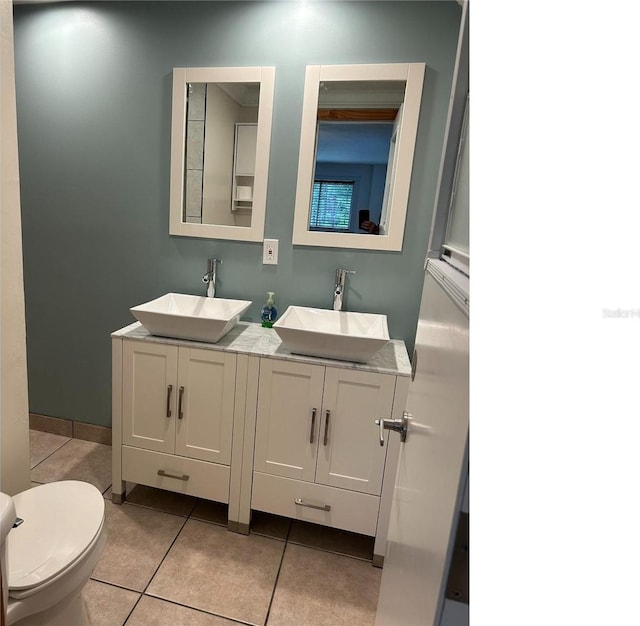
x: 359, y: 128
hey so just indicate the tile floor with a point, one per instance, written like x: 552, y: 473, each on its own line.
x: 169, y: 558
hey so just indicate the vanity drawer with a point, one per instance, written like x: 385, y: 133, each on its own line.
x: 356, y: 512
x: 205, y: 480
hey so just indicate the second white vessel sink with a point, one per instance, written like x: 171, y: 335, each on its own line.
x: 183, y: 316
x: 342, y: 335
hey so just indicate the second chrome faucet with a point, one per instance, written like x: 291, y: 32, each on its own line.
x: 210, y: 277
x: 338, y: 291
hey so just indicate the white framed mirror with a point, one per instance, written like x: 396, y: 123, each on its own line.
x: 359, y: 127
x: 220, y: 141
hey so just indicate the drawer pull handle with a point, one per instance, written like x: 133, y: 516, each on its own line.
x: 180, y: 414
x: 163, y: 473
x: 320, y: 507
x: 326, y: 427
x: 313, y: 425
x: 169, y: 390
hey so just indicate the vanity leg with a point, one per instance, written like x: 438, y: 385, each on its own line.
x: 245, y: 422
x: 238, y: 527
x: 118, y: 486
x: 119, y: 498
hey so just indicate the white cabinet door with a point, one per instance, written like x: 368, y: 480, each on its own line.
x: 350, y: 455
x: 149, y: 395
x: 289, y: 406
x: 206, y: 390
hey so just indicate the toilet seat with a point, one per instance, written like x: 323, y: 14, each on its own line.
x: 62, y: 522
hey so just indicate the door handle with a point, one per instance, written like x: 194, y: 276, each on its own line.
x: 399, y: 425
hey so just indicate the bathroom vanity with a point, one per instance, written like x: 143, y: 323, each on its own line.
x: 247, y: 423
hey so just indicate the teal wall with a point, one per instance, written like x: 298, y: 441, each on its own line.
x: 93, y: 87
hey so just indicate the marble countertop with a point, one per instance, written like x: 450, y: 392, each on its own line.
x: 251, y: 338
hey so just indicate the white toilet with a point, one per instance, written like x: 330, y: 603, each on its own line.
x: 48, y: 558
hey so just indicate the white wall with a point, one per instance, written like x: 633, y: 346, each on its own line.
x: 14, y: 416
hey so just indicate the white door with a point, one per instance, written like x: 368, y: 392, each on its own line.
x: 425, y: 504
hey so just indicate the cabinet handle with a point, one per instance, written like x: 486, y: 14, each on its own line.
x: 180, y: 415
x: 313, y: 425
x: 163, y: 473
x: 320, y: 507
x: 169, y: 390
x: 326, y: 427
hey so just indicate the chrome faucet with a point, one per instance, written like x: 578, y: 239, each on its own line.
x: 338, y: 290
x: 210, y: 277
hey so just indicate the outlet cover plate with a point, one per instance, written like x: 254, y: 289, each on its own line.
x: 270, y: 252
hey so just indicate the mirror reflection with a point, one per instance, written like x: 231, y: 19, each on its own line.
x: 357, y: 126
x: 358, y: 134
x: 220, y: 140
x: 220, y: 153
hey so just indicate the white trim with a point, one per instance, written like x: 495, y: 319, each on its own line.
x: 456, y: 258
x: 456, y: 251
x: 464, y: 131
x: 181, y: 76
x: 456, y: 264
x: 440, y: 214
x: 453, y: 281
x: 413, y: 74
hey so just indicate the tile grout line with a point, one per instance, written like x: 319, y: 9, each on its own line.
x: 275, y: 584
x: 186, y: 606
x: 349, y: 556
x: 186, y: 519
x: 142, y: 593
x: 46, y: 457
x: 192, y: 608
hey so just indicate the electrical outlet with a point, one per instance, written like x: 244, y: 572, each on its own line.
x: 270, y: 252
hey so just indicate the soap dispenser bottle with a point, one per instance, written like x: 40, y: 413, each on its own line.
x: 269, y: 312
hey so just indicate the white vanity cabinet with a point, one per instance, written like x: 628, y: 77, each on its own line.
x: 244, y: 423
x: 177, y: 409
x: 317, y: 450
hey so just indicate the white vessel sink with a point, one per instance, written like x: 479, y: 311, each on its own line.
x: 342, y: 335
x: 190, y: 317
